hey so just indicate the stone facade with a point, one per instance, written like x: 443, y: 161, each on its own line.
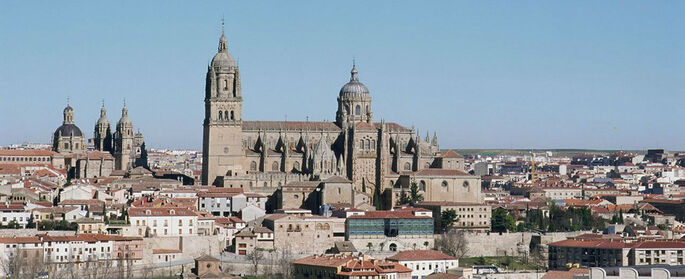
x: 265, y: 155
x: 121, y: 150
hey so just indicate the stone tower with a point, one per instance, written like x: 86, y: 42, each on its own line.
x: 354, y: 102
x: 123, y: 142
x: 68, y: 137
x: 103, y: 132
x: 222, y: 148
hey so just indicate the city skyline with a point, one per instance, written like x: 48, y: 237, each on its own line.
x: 619, y: 84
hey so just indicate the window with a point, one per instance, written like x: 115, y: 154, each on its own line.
x: 274, y: 166
x: 221, y: 114
x: 296, y: 166
x: 253, y: 166
x: 422, y: 186
x: 368, y: 144
x: 466, y: 184
x: 232, y: 116
x: 361, y: 144
x: 407, y: 166
x: 445, y: 185
x: 357, y: 110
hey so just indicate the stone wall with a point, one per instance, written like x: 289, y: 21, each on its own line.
x: 190, y: 246
x: 509, y: 244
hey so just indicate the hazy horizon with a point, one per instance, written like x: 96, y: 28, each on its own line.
x: 487, y: 75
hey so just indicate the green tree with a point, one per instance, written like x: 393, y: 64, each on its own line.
x: 502, y: 221
x: 479, y: 260
x: 447, y: 218
x: 414, y: 195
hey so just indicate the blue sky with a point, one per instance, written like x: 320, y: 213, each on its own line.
x: 483, y: 74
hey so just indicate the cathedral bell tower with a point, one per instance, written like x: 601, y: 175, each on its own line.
x: 103, y: 132
x: 123, y: 142
x: 222, y: 148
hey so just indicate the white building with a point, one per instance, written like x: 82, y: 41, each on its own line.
x: 14, y: 212
x: 163, y: 221
x: 425, y: 262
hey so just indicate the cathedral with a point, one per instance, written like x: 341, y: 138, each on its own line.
x: 377, y: 158
x: 121, y: 150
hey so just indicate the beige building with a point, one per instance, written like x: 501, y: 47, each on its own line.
x: 305, y: 234
x: 266, y: 155
x: 472, y: 216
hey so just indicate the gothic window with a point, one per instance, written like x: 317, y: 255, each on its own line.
x: 357, y: 110
x: 422, y: 186
x: 253, y: 166
x: 232, y: 116
x: 221, y: 114
x: 361, y: 144
x: 368, y: 144
x: 407, y: 166
x: 373, y: 144
x: 274, y: 166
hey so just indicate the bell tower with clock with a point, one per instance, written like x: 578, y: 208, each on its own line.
x: 222, y: 148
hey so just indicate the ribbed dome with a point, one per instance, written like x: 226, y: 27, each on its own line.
x: 103, y: 117
x: 68, y: 109
x: 68, y: 130
x: 354, y: 86
x: 223, y: 58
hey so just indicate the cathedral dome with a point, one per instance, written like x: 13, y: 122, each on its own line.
x: 223, y: 59
x: 354, y: 87
x: 68, y: 130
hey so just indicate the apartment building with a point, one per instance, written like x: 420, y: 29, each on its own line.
x: 598, y: 251
x: 472, y: 216
x: 165, y: 221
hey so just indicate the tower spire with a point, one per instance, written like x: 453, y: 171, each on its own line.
x: 222, y: 41
x: 354, y: 72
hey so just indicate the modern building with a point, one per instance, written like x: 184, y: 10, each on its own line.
x: 397, y: 230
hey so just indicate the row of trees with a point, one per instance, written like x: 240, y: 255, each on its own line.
x: 556, y: 220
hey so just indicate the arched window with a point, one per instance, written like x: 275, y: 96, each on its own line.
x: 347, y: 109
x: 373, y: 144
x: 253, y: 166
x: 361, y: 144
x: 407, y: 166
x: 266, y: 184
x: 368, y: 144
x: 274, y: 166
x: 232, y: 116
x: 422, y: 185
x: 445, y: 186
x: 357, y: 110
x: 221, y: 115
x: 367, y: 109
x: 393, y: 247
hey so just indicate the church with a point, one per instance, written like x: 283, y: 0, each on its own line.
x: 378, y: 159
x: 111, y: 152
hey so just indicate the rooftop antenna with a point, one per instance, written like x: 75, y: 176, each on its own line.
x: 68, y: 103
x: 222, y: 24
